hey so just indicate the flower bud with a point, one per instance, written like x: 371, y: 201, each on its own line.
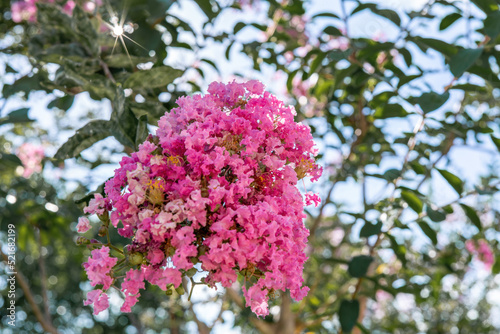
x: 180, y: 290
x: 82, y: 241
x: 103, y: 230
x: 202, y: 250
x: 191, y: 272
x: 170, y: 251
x: 135, y: 259
x: 104, y: 217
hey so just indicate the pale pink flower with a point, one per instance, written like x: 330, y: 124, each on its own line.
x: 31, y: 157
x: 98, y: 267
x: 83, y: 225
x: 99, y: 299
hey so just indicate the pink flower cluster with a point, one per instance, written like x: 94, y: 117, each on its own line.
x: 216, y: 186
x: 31, y: 157
x: 482, y: 251
x: 25, y: 10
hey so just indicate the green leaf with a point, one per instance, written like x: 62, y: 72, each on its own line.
x: 418, y: 168
x: 492, y: 24
x: 429, y: 232
x: 228, y: 50
x: 370, y: 229
x: 436, y: 44
x: 435, y: 215
x: 464, y: 59
x: 348, y: 314
x: 453, y: 180
x: 85, y: 137
x: 86, y: 199
x: 142, y: 130
x: 63, y: 103
x: 413, y: 201
x: 358, y: 266
x: 83, y: 28
x: 24, y: 84
x: 390, y: 110
x: 326, y: 15
x: 407, y: 56
x: 8, y: 160
x: 486, y: 5
x: 208, y: 8
x: 449, y: 20
x: 9, y: 69
x: 496, y: 141
x: 431, y: 101
x: 496, y: 267
x: 98, y: 86
x: 331, y: 30
x: 398, y: 249
x: 155, y: 77
x: 238, y: 26
x: 16, y: 116
x: 316, y: 62
x: 472, y: 215
x: 390, y: 15
x: 121, y: 60
x: 392, y: 174
x: 470, y: 88
x: 124, y: 121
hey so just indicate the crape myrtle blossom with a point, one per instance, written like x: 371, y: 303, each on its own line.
x: 482, y: 251
x: 31, y: 157
x: 25, y: 10
x: 216, y: 185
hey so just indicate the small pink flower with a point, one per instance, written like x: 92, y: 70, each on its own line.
x: 31, y: 157
x: 156, y: 256
x: 99, y: 267
x: 96, y: 205
x: 312, y: 198
x: 68, y: 7
x: 470, y: 246
x: 83, y: 225
x: 23, y: 11
x: 99, y: 299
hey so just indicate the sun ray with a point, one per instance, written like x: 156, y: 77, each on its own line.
x: 118, y: 29
x: 126, y: 50
x: 130, y: 39
x: 114, y: 45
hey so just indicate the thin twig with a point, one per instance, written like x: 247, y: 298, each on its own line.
x: 46, y: 325
x: 43, y: 276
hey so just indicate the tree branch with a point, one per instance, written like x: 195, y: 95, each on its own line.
x: 46, y: 324
x: 43, y: 276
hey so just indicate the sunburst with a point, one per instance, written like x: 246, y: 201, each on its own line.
x: 119, y: 28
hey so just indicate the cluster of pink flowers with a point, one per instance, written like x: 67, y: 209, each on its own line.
x: 482, y: 251
x: 216, y: 186
x: 25, y: 10
x: 31, y: 157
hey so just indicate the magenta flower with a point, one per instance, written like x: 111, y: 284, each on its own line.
x: 216, y: 185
